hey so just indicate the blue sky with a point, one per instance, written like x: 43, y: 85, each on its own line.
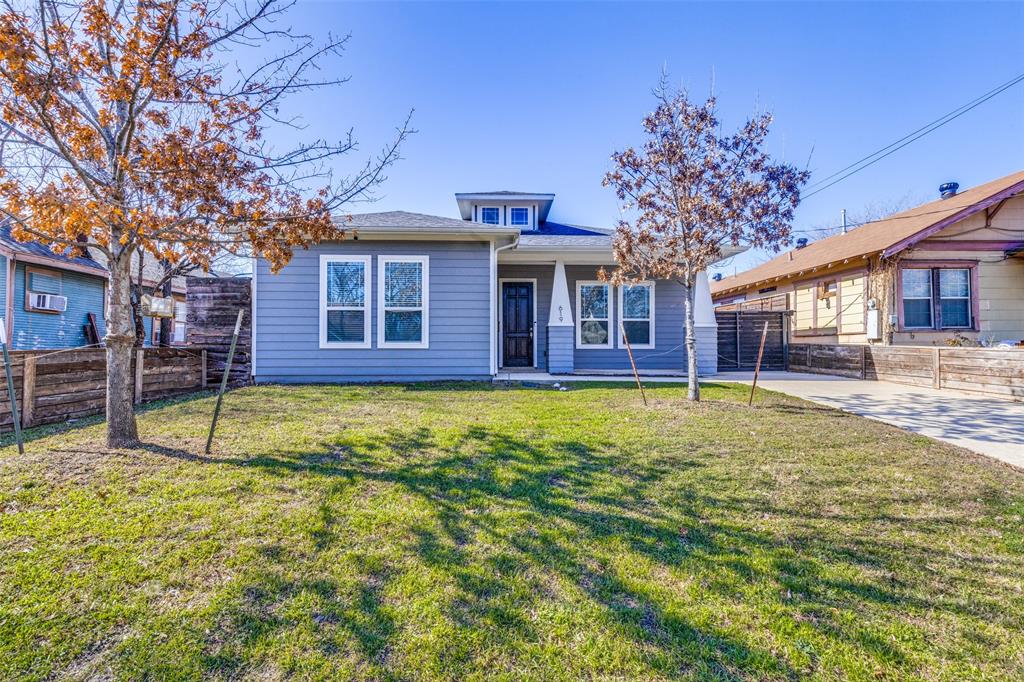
x: 536, y: 96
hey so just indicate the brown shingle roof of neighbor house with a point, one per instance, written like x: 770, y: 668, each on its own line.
x: 888, y: 235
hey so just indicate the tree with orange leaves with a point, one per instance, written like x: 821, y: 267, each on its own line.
x: 125, y: 127
x: 691, y: 191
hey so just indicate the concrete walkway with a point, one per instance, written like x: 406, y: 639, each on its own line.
x: 985, y: 425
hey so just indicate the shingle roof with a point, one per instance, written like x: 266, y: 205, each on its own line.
x: 887, y: 235
x: 552, y: 228
x: 539, y: 240
x: 40, y: 250
x: 403, y: 220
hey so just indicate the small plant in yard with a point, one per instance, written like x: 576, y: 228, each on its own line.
x: 465, y: 531
x: 691, y: 191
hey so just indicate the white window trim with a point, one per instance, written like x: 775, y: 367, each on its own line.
x: 579, y: 315
x: 529, y: 217
x: 623, y: 319
x: 339, y: 258
x: 969, y: 298
x: 501, y: 317
x: 496, y: 208
x: 425, y: 304
x: 930, y: 299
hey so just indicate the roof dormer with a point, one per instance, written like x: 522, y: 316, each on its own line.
x: 524, y: 210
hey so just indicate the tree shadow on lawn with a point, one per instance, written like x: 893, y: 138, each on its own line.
x: 509, y: 513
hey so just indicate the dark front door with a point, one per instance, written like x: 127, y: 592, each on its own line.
x: 517, y: 324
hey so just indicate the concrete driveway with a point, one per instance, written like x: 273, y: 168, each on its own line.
x: 988, y: 426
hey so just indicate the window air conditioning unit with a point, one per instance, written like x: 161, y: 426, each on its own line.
x: 48, y: 302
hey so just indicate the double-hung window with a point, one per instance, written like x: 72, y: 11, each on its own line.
x: 593, y: 315
x: 344, y: 301
x: 519, y: 216
x: 936, y: 298
x: 636, y: 306
x: 403, y: 302
x: 490, y: 215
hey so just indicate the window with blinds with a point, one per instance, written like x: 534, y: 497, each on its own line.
x: 403, y: 303
x: 344, y: 301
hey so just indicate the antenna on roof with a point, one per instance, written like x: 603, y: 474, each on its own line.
x: 844, y: 221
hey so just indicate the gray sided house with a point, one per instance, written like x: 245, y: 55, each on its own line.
x: 412, y: 297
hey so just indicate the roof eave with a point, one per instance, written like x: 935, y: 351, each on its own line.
x: 966, y: 212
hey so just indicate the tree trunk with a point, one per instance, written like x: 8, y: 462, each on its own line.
x: 693, y: 389
x: 120, y: 342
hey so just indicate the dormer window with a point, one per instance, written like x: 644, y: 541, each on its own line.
x: 490, y: 215
x: 519, y: 216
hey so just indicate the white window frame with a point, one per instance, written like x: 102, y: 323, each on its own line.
x: 424, y: 342
x: 496, y: 208
x: 579, y: 315
x: 529, y: 216
x: 344, y: 258
x: 623, y: 319
x: 930, y: 299
x: 939, y: 298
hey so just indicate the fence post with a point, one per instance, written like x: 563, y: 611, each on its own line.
x: 28, y: 391
x: 936, y: 364
x: 15, y: 419
x: 203, y: 384
x: 139, y: 358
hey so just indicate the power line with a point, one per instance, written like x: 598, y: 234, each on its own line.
x: 880, y: 154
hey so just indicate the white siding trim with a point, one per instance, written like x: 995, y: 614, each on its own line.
x: 491, y: 297
x: 252, y: 317
x: 367, y: 291
x: 381, y: 261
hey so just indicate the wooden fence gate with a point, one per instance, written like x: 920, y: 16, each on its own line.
x: 739, y: 337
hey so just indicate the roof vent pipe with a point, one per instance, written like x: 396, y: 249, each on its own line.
x: 801, y: 243
x: 948, y: 189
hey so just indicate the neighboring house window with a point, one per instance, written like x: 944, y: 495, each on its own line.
x: 344, y: 301
x: 403, y: 303
x: 180, y: 315
x: 636, y: 303
x: 40, y: 285
x: 520, y: 216
x: 593, y: 324
x: 936, y: 298
x: 490, y: 215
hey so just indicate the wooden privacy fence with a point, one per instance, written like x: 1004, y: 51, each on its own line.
x: 993, y: 371
x: 739, y: 337
x: 52, y: 387
x: 213, y: 304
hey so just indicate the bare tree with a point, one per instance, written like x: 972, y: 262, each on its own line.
x: 126, y: 127
x: 692, y: 191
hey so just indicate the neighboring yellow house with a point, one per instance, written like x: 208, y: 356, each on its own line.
x: 951, y: 270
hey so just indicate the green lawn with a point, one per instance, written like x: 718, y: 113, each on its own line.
x: 467, y: 532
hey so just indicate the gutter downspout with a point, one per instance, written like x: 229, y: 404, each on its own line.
x: 494, y: 300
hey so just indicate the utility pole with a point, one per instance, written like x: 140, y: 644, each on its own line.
x: 844, y: 221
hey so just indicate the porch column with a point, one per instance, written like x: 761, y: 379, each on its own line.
x: 561, y: 331
x: 706, y: 327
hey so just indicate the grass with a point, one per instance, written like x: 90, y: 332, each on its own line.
x: 467, y: 532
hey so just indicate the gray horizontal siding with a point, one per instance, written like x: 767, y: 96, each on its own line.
x: 287, y: 331
x: 668, y: 353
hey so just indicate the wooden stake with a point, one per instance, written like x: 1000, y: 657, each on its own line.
x: 636, y: 374
x: 757, y: 367
x: 10, y: 389
x: 28, y: 391
x: 139, y: 357
x: 224, y: 379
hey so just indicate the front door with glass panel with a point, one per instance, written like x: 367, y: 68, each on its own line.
x: 517, y: 324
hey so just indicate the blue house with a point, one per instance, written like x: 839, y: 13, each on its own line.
x: 48, y: 296
x: 407, y: 296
